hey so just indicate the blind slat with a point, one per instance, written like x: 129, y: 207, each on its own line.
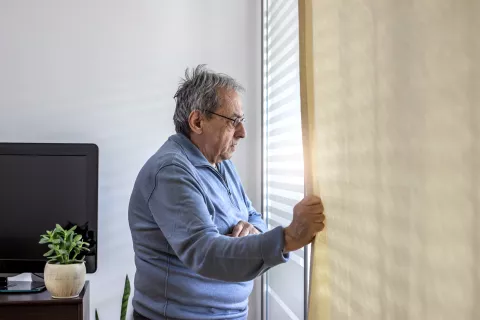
x: 289, y: 97
x: 276, y: 68
x: 286, y: 186
x: 284, y: 200
x: 286, y: 193
x: 277, y: 59
x: 294, y: 82
x: 285, y: 157
x: 282, y: 144
x: 283, y: 115
x: 291, y: 75
x: 296, y: 172
x: 281, y: 130
x: 292, y: 66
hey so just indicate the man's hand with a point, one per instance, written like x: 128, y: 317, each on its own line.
x: 243, y: 228
x: 308, y: 219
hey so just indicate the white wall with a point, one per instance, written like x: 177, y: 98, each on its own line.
x: 105, y: 72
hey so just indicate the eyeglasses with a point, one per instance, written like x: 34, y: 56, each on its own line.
x: 235, y: 121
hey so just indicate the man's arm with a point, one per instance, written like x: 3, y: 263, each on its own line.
x: 178, y: 206
x: 254, y: 217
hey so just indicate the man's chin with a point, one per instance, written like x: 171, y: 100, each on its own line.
x: 227, y: 155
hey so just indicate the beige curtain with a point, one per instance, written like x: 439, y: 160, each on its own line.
x: 391, y: 119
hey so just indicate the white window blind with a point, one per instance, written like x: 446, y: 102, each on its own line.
x: 282, y: 150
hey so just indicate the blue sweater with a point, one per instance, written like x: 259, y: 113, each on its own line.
x: 180, y: 211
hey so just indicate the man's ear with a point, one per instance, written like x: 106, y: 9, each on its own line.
x: 195, y: 120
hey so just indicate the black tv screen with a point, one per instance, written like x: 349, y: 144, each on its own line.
x: 42, y: 185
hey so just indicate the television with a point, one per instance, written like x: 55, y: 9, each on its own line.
x: 41, y: 185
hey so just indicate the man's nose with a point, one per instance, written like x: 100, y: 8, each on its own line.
x: 240, y: 131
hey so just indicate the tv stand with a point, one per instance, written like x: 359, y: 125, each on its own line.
x: 41, y: 306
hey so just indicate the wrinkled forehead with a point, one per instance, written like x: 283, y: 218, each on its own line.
x: 230, y: 103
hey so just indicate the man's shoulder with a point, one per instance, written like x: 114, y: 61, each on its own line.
x: 170, y: 153
x: 168, y: 161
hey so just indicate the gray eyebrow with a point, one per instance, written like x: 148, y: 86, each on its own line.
x: 236, y: 115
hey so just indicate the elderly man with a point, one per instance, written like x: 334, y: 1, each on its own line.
x: 198, y: 241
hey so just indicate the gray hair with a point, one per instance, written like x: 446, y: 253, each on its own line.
x: 200, y: 91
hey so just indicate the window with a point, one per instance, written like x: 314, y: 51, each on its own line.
x: 283, y: 179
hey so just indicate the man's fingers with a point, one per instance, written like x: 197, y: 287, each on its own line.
x: 243, y: 229
x: 319, y: 218
x: 311, y: 201
x: 316, y: 209
x: 238, y: 228
x: 320, y: 227
x: 254, y: 231
x: 245, y: 232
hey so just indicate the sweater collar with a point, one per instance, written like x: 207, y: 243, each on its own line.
x: 192, y: 152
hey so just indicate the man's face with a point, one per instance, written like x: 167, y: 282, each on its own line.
x: 220, y: 134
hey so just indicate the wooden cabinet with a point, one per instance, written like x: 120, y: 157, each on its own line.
x: 41, y: 306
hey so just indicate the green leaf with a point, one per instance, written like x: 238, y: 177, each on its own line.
x: 49, y: 253
x: 72, y: 228
x: 53, y: 260
x: 126, y: 295
x: 57, y: 241
x: 77, y: 238
x: 96, y: 315
x: 43, y: 241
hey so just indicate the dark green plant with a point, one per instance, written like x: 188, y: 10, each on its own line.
x: 125, y: 296
x: 87, y: 236
x: 65, y: 245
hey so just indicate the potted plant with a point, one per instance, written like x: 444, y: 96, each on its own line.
x: 65, y: 271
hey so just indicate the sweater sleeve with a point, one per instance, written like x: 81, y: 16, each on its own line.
x: 254, y: 217
x: 178, y: 206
